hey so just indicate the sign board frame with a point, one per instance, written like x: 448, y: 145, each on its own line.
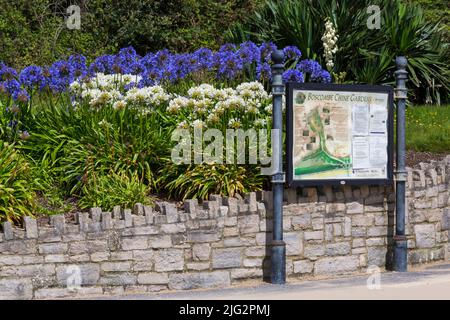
x: 350, y: 89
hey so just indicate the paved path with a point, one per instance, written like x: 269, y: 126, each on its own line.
x: 430, y: 282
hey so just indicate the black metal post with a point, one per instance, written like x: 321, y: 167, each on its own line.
x: 400, y: 241
x: 278, y: 247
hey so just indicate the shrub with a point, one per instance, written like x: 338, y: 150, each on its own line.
x: 199, y: 181
x: 35, y: 32
x: 17, y: 197
x: 112, y: 189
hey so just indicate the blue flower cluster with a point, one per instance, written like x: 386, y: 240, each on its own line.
x: 229, y: 62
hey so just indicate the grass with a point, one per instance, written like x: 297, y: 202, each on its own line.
x: 428, y: 128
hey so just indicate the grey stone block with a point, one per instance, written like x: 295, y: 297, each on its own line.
x: 313, y: 235
x: 201, y: 252
x: 16, y: 289
x: 127, y: 217
x: 121, y: 279
x: 87, y: 273
x: 6, y: 260
x: 203, y: 236
x: 250, y: 199
x: 294, y: 244
x: 446, y: 219
x: 8, y: 230
x: 117, y: 213
x: 82, y: 218
x: 246, y: 273
x: 59, y: 223
x: 425, y: 235
x: 149, y: 214
x: 248, y: 223
x: 173, y: 228
x: 19, y: 246
x: 338, y: 249
x: 157, y: 242
x: 376, y: 256
x: 138, y: 209
x: 152, y: 278
x: 190, y: 206
x: 135, y: 243
x: 313, y: 251
x: 107, y: 221
x: 53, y: 248
x: 115, y: 266
x: 303, y: 266
x: 336, y: 265
x: 186, y: 281
x: 169, y: 260
x: 170, y: 210
x: 232, y: 205
x: 31, y: 228
x: 226, y: 258
x: 302, y: 221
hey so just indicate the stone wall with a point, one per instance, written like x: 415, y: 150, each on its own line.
x: 223, y: 240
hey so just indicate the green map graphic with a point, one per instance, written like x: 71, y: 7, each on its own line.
x: 320, y: 160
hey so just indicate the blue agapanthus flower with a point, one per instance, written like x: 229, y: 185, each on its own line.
x: 292, y: 53
x: 266, y: 50
x: 11, y: 86
x: 21, y: 95
x: 205, y: 57
x: 263, y: 71
x: 293, y: 75
x: 322, y: 76
x: 78, y: 63
x: 32, y: 76
x: 229, y: 64
x: 249, y: 52
x: 309, y: 66
x: 7, y: 73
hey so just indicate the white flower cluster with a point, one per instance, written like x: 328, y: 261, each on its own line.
x: 104, y: 82
x: 329, y: 40
x: 104, y: 89
x: 206, y: 105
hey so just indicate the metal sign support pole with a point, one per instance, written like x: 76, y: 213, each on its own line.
x: 278, y: 247
x: 400, y: 240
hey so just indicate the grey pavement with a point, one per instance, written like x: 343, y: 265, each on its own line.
x: 427, y: 282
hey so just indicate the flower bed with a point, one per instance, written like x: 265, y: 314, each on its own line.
x: 97, y: 133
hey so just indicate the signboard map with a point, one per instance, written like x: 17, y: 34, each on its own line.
x: 339, y: 135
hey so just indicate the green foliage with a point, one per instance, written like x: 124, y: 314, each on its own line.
x: 367, y: 56
x: 75, y: 145
x: 16, y: 190
x: 35, y: 32
x: 199, y: 181
x: 112, y: 189
x: 428, y: 128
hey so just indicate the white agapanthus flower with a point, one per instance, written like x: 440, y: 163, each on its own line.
x: 198, y: 124
x: 213, y: 118
x: 234, y: 123
x: 329, y: 40
x: 177, y: 104
x: 183, y: 125
x: 202, y: 91
x: 259, y: 123
x: 119, y: 105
